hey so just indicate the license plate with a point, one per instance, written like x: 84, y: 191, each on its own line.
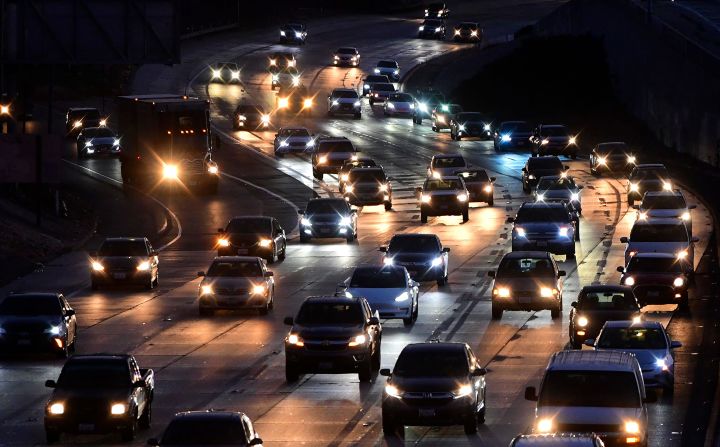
x: 542, y: 244
x: 119, y: 275
x: 325, y: 365
x: 324, y: 230
x: 653, y: 293
x: 86, y: 427
x: 426, y: 412
x: 242, y: 251
x: 525, y: 299
x: 443, y: 207
x: 23, y: 342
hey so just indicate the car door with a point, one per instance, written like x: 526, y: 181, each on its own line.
x: 152, y: 257
x: 279, y: 234
x: 139, y: 393
x: 69, y: 318
x: 473, y: 366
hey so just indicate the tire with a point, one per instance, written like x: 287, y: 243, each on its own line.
x: 392, y: 428
x: 423, y: 217
x: 388, y: 206
x: 470, y: 425
x: 577, y: 232
x: 283, y: 254
x: 413, y: 316
x: 372, y: 103
x: 52, y: 436
x: 291, y: 374
x: 526, y: 188
x: 266, y: 309
x: 279, y: 154
x: 419, y: 121
x: 458, y: 138
x: 358, y: 116
x: 466, y: 215
x: 94, y: 285
x: 317, y: 175
x: 205, y: 312
x: 365, y: 371
x: 304, y: 239
x: 631, y: 202
x: 571, y: 254
x: 272, y: 256
x: 128, y: 434
x: 150, y: 285
x: 496, y: 312
x: 376, y: 358
x: 556, y: 312
x: 435, y: 129
x: 684, y: 305
x: 146, y: 417
x: 442, y: 281
x: 491, y: 202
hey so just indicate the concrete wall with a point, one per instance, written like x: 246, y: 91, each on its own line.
x: 663, y: 78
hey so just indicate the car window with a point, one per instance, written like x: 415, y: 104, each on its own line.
x: 330, y: 313
x: 631, y: 338
x: 325, y: 147
x: 376, y: 78
x: 431, y: 363
x: 650, y: 174
x: 663, y: 202
x: 387, y: 64
x: 401, y: 97
x: 645, y: 264
x: 526, y: 267
x: 545, y: 163
x: 555, y: 131
x: 659, y: 233
x: 475, y: 176
x: 123, y: 248
x: 414, y: 244
x: 344, y: 94
x: 432, y: 23
x: 95, y: 374
x: 30, y: 305
x: 89, y: 113
x: 542, y: 214
x: 98, y: 132
x: 346, y: 50
x: 590, y: 389
x: 367, y: 176
x: 378, y: 278
x: 448, y: 162
x: 205, y: 431
x: 443, y: 185
x: 328, y: 207
x: 259, y: 225
x: 607, y: 301
x: 294, y: 133
x: 235, y: 269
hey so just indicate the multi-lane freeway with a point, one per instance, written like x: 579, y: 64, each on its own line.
x: 236, y: 361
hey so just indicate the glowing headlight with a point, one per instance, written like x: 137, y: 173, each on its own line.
x: 396, y: 72
x: 77, y: 123
x: 310, y: 143
x: 377, y: 70
x: 667, y: 186
x: 345, y: 221
x: 575, y: 197
x: 265, y: 243
x: 545, y: 425
x: 170, y: 171
x: 402, y: 297
x: 461, y: 128
x: 349, y: 188
x: 531, y: 177
x: 357, y: 340
x: 206, y: 289
x: 143, y: 266
x: 283, y: 103
x: 305, y: 222
x: 632, y: 427
x: 223, y: 242
x: 307, y: 103
x: 546, y: 292
x: 412, y: 106
x: 356, y: 104
x: 56, y: 408
x: 97, y: 266
x: 457, y: 32
x: 685, y: 216
x: 388, y: 261
x: 520, y: 231
x: 634, y: 187
x: 273, y: 62
x: 296, y: 81
x: 265, y: 119
x: 425, y: 198
x: 436, y: 174
x: 563, y: 231
x: 235, y: 74
x: 462, y: 197
x: 662, y: 364
x: 298, y: 34
x: 463, y: 391
x: 335, y: 102
x: 602, y: 160
x: 384, y: 187
x: 631, y: 159
x: 213, y: 169
x: 572, y: 140
x: 336, y: 57
x: 4, y: 109
x: 88, y: 144
x: 284, y: 143
x: 242, y: 118
x: 118, y: 409
x: 473, y: 33
x: 488, y: 188
x: 642, y: 215
x: 502, y: 292
x: 486, y: 127
x: 390, y: 105
x: 54, y: 330
x: 421, y: 28
x: 344, y: 177
x: 275, y: 77
x: 682, y: 254
x: 540, y: 197
x: 354, y: 157
x: 437, y: 30
x: 545, y: 141
x: 295, y: 339
x: 437, y: 261
x: 391, y: 390
x: 259, y: 289
x: 216, y: 73
x: 441, y: 119
x: 505, y: 138
x: 582, y: 321
x: 116, y: 142
x: 679, y: 282
x: 629, y: 281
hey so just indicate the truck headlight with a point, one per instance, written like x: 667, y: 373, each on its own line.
x: 322, y: 160
x: 463, y: 391
x: 437, y: 262
x: 265, y: 243
x: 679, y: 281
x: 170, y: 172
x: 98, y: 267
x: 358, y: 340
x: 117, y: 409
x: 206, y: 289
x: 345, y: 221
x: 602, y: 160
x: 545, y: 425
x: 143, y: 266
x: 582, y: 321
x: 392, y: 390
x: 56, y: 408
x: 259, y: 289
x: 632, y: 427
x: 294, y: 339
x: 402, y: 297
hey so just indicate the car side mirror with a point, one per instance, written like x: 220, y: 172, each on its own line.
x: 675, y: 344
x: 624, y: 240
x: 491, y: 273
x: 561, y: 273
x: 201, y: 274
x: 695, y: 239
x: 383, y: 249
x: 589, y: 342
x: 531, y: 393
x: 153, y: 442
x: 510, y: 220
x: 574, y: 304
x: 636, y: 207
x: 50, y: 384
x: 288, y: 321
x: 385, y: 372
x: 692, y: 207
x: 256, y: 441
x: 492, y: 179
x: 446, y: 250
x: 300, y: 212
x: 269, y: 274
x: 650, y: 397
x: 479, y: 372
x: 70, y: 312
x: 373, y: 321
x: 620, y: 269
x: 524, y: 169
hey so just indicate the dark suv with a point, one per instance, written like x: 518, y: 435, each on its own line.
x: 253, y: 236
x: 597, y: 304
x: 337, y: 335
x: 125, y: 260
x: 368, y: 186
x: 421, y: 254
x: 434, y: 384
x: 537, y: 167
x: 547, y: 226
x: 328, y: 218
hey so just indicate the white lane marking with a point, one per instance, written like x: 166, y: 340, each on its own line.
x: 116, y: 182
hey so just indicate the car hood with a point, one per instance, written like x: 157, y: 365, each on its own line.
x: 532, y: 284
x: 412, y: 257
x: 34, y: 323
x: 338, y: 155
x: 541, y: 227
x: 645, y: 357
x: 664, y: 212
x: 657, y: 247
x: 329, y: 330
x: 119, y: 395
x: 428, y: 384
x: 377, y: 294
x: 589, y: 415
x: 231, y: 282
x: 121, y: 262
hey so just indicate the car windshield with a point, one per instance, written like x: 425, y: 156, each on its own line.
x: 123, y: 248
x: 442, y: 185
x: 631, y: 338
x: 515, y: 126
x: 205, y: 431
x: 344, y: 94
x: 98, y: 132
x: 339, y: 207
x: 542, y: 214
x: 346, y: 50
x: 647, y: 264
x: 554, y: 131
x: 556, y: 184
x: 294, y: 133
x: 384, y: 87
x: 608, y: 148
x: 448, y: 162
x: 295, y: 26
x: 374, y: 176
x: 30, y: 306
x: 401, y: 97
x: 432, y: 23
x: 414, y: 244
x: 468, y: 26
x: 378, y: 278
x: 545, y: 163
x: 387, y: 64
x: 475, y: 176
x: 235, y: 269
x: 248, y: 108
x: 330, y: 313
x: 589, y: 389
x: 651, y: 174
x: 366, y: 163
x: 659, y: 233
x: 469, y: 116
x: 431, y: 363
x: 526, y: 267
x: 89, y: 113
x: 663, y: 202
x: 335, y: 146
x: 249, y: 225
x: 95, y: 374
x: 607, y: 301
x: 376, y: 78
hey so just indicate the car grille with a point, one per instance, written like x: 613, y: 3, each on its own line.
x: 297, y: 144
x: 424, y: 398
x: 86, y: 410
x: 657, y: 291
x: 121, y: 264
x: 326, y: 344
x: 192, y: 167
x: 230, y: 291
x: 29, y: 328
x: 589, y: 428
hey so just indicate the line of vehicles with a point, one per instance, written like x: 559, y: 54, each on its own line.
x: 586, y: 397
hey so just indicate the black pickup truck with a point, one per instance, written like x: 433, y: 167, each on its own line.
x: 100, y: 393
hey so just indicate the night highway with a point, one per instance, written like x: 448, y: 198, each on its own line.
x: 183, y: 357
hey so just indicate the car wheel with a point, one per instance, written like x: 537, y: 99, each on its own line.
x: 423, y: 217
x: 684, y: 305
x: 149, y: 285
x: 388, y: 206
x: 555, y: 313
x: 146, y: 417
x: 52, y: 436
x: 526, y: 188
x: 481, y: 413
x: 205, y: 312
x: 266, y: 308
x: 390, y: 427
x: 291, y: 374
x: 317, y: 175
x: 631, y: 202
x: 272, y: 256
x: 458, y: 138
x: 571, y: 254
x: 157, y: 279
x: 419, y: 121
x: 94, y: 285
x: 283, y: 253
x: 279, y: 154
x: 128, y: 434
x: 442, y: 281
x: 669, y: 388
x: 466, y: 215
x: 491, y: 201
x: 365, y: 370
x: 434, y: 129
x: 470, y: 424
x: 496, y: 312
x: 350, y: 238
x: 304, y: 239
x: 577, y: 232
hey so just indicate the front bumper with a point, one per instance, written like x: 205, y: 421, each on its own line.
x: 527, y: 303
x: 230, y: 302
x: 294, y: 148
x: 424, y: 272
x: 344, y: 361
x: 30, y: 342
x: 555, y: 246
x: 121, y: 277
x: 481, y: 195
x: 87, y: 423
x: 444, y: 209
x: 440, y: 124
x: 659, y: 293
x: 443, y: 411
x: 326, y: 230
x: 341, y: 108
x: 255, y: 250
x: 345, y: 62
x: 475, y: 133
x: 401, y: 309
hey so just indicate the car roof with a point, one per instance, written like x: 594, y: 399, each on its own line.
x: 592, y: 361
x: 526, y: 254
x: 333, y: 299
x: 375, y: 267
x: 210, y: 414
x: 609, y: 144
x: 294, y: 128
x: 327, y: 199
x: 414, y: 235
x: 99, y: 356
x: 436, y: 156
x: 125, y: 239
x: 434, y: 347
x: 392, y: 61
x: 331, y: 139
x: 542, y: 205
x: 654, y: 255
x: 236, y: 258
x: 648, y: 324
x: 544, y: 157
x: 606, y: 288
x: 347, y: 48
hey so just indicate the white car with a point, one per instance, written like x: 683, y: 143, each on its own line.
x: 388, y: 289
x: 346, y: 56
x: 399, y: 104
x: 236, y: 282
x: 344, y: 101
x: 666, y: 204
x: 389, y: 68
x: 293, y: 139
x: 660, y: 236
x: 446, y: 165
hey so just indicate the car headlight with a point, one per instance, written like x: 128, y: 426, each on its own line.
x: 486, y: 127
x: 310, y: 143
x: 563, y: 231
x: 629, y: 281
x: 282, y: 33
x: 582, y: 321
x: 463, y: 391
x: 116, y: 142
x: 438, y: 29
x: 88, y: 144
x: 77, y: 124
x: 384, y: 187
x: 392, y: 390
x: 396, y: 72
x: 457, y: 32
x: 170, y: 172
x: 305, y: 222
x: 335, y: 102
x: 390, y: 105
x: 259, y: 289
x: 242, y: 118
x: 54, y: 330
x: 679, y: 281
x: 412, y: 106
x: 547, y: 292
x: 216, y: 73
x: 545, y: 141
x: 298, y: 34
x: 682, y: 255
x: 358, y: 340
x: 602, y: 160
x: 634, y: 187
x: 356, y: 104
x: 425, y: 198
x: 388, y: 261
x: 685, y: 216
x: 98, y: 267
x: 117, y: 409
x: 323, y: 159
x: 540, y: 197
x: 505, y: 138
x: 223, y: 242
x: 206, y: 289
x: 462, y: 197
x: 307, y: 103
x: 631, y: 159
x: 488, y: 188
x: 502, y: 292
x: 545, y: 425
x: 377, y: 70
x: 275, y: 77
x: 296, y: 81
x: 421, y: 28
x: 632, y: 427
x: 213, y: 168
x: 531, y: 177
x: 402, y: 297
x: 520, y: 231
x: 273, y: 62
x: 103, y: 122
x: 294, y: 339
x: 283, y: 103
x: 423, y: 107
x: 437, y: 261
x: 143, y: 266
x: 572, y: 140
x: 265, y: 243
x: 56, y: 408
x: 345, y: 221
x: 662, y: 364
x: 667, y: 186
x: 235, y: 74
x: 336, y: 57
x: 349, y: 188
x: 473, y: 33
x: 441, y: 119
x: 344, y: 177
x: 461, y: 128
x: 284, y: 143
x: 575, y: 197
x: 642, y: 215
x: 265, y: 119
